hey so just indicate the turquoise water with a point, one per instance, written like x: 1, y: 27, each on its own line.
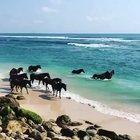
x: 59, y: 54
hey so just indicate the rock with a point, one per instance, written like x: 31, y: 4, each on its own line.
x: 40, y: 128
x: 63, y: 120
x: 31, y: 123
x: 88, y: 122
x: 75, y: 130
x: 125, y: 137
x: 91, y: 128
x: 6, y: 101
x: 110, y: 134
x: 51, y: 134
x: 60, y: 138
x: 68, y: 98
x: 10, y: 95
x: 91, y: 132
x: 36, y: 135
x: 0, y: 129
x: 67, y: 132
x: 14, y: 126
x: 97, y: 126
x: 44, y: 135
x: 3, y: 136
x: 48, y: 126
x: 75, y: 123
x: 20, y: 97
x: 81, y: 134
x: 23, y: 119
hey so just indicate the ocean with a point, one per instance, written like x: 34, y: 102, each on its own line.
x: 59, y: 54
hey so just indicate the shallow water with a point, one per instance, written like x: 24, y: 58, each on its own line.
x: 59, y: 54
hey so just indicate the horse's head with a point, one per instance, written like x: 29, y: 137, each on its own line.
x: 38, y: 66
x: 82, y: 70
x: 48, y: 75
x: 112, y: 72
x: 20, y: 69
x: 64, y: 86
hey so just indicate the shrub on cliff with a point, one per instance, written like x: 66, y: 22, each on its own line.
x: 30, y: 115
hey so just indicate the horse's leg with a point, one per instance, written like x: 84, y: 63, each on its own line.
x: 39, y: 82
x: 60, y: 94
x: 26, y: 90
x: 21, y: 89
x: 56, y: 93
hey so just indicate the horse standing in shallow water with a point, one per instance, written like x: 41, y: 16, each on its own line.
x: 39, y: 77
x: 78, y: 71
x: 106, y: 75
x: 21, y: 84
x: 51, y: 82
x: 58, y: 87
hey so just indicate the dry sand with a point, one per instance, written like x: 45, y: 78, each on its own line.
x: 50, y: 107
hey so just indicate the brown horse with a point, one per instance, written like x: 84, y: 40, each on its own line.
x: 39, y: 77
x: 58, y: 87
x: 20, y: 84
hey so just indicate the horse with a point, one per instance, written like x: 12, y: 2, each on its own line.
x: 34, y: 68
x: 15, y: 71
x: 19, y: 76
x: 58, y: 87
x: 51, y: 82
x: 21, y: 84
x: 39, y: 77
x: 105, y: 75
x: 78, y: 71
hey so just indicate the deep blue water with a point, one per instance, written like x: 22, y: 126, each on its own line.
x: 59, y: 54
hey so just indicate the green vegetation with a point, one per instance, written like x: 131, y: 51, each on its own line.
x: 30, y: 115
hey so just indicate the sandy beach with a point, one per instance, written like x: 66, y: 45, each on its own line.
x: 50, y: 107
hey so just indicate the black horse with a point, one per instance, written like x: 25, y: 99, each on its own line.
x: 105, y: 75
x: 48, y: 81
x: 78, y: 71
x: 20, y: 84
x: 39, y: 77
x: 15, y: 71
x: 18, y: 77
x: 58, y: 87
x: 34, y: 68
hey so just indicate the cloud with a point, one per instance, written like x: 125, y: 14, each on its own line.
x: 38, y: 21
x: 48, y: 9
x: 97, y: 19
x: 89, y: 18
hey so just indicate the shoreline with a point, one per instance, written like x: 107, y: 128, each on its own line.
x: 51, y: 107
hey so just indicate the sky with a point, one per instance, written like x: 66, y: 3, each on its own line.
x: 70, y: 16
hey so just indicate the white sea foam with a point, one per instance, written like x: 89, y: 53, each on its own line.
x: 69, y: 38
x: 98, y: 106
x: 89, y: 45
x: 49, y: 37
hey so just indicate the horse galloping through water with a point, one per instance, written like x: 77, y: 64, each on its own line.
x: 78, y: 71
x: 105, y: 75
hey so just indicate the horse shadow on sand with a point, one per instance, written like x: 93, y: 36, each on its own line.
x: 47, y: 95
